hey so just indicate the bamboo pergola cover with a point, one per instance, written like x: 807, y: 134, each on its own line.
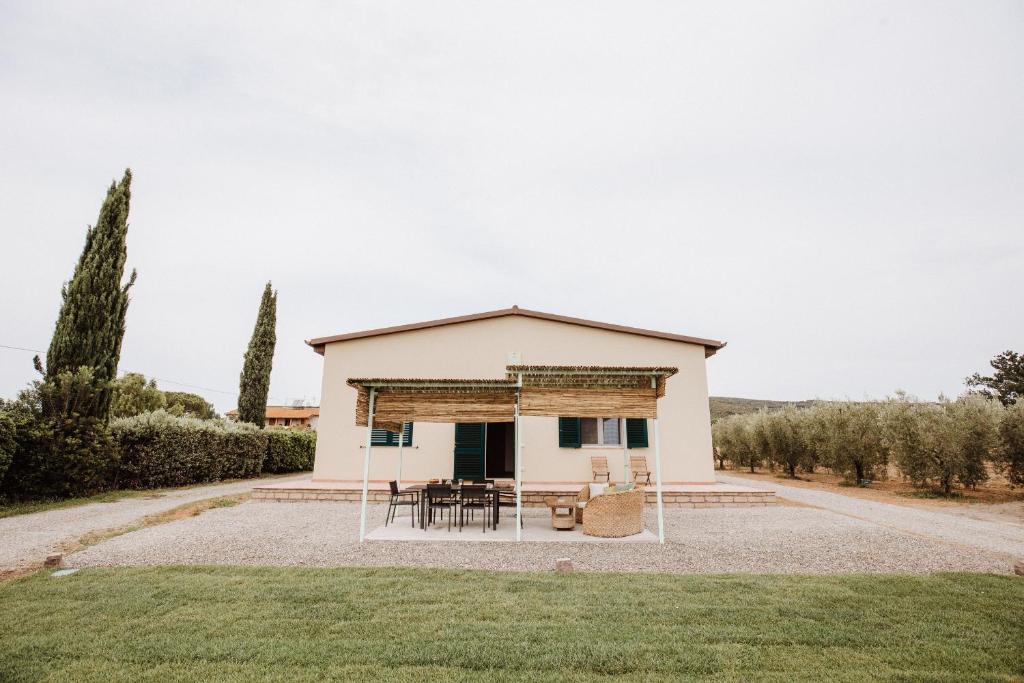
x: 550, y: 390
x: 590, y: 391
x: 434, y: 400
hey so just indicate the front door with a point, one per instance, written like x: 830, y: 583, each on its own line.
x: 470, y: 438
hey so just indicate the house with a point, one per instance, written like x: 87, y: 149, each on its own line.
x: 555, y: 450
x: 292, y: 417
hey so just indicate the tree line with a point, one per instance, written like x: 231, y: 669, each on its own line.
x: 941, y: 444
x: 56, y: 438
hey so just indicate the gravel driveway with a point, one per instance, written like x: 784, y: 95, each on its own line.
x: 759, y: 540
x: 991, y: 536
x: 26, y: 540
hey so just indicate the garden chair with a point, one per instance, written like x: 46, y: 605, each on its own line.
x: 599, y: 464
x: 441, y: 498
x: 410, y: 499
x: 638, y: 463
x: 473, y: 497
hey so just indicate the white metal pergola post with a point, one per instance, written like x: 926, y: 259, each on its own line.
x: 657, y: 478
x: 366, y: 466
x: 519, y: 472
x: 401, y: 439
x: 625, y: 450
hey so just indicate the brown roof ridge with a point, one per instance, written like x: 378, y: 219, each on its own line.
x: 710, y: 345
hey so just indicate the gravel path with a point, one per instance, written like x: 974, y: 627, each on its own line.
x: 26, y: 540
x: 987, y: 535
x: 758, y: 540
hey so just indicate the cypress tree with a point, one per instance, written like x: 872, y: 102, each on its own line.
x: 91, y: 322
x: 254, y: 383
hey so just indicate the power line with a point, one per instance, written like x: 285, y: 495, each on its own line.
x: 159, y: 379
x: 20, y: 348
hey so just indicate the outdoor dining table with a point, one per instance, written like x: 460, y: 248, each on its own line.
x: 492, y: 491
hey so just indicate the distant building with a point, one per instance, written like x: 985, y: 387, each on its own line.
x: 290, y: 417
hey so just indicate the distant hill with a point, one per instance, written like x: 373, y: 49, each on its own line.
x: 724, y: 406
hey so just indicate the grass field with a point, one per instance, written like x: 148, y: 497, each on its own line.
x: 427, y: 625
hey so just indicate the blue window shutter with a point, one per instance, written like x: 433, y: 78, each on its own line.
x: 636, y: 433
x: 568, y: 432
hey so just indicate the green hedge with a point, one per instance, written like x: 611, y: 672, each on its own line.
x: 289, y: 450
x: 158, y: 449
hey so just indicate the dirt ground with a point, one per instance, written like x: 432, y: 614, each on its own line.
x: 996, y: 500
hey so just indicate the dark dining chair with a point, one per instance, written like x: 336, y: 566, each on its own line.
x: 410, y: 499
x: 473, y: 497
x: 440, y: 497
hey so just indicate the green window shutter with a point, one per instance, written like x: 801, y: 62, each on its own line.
x: 568, y: 432
x: 636, y: 433
x: 469, y: 450
x: 406, y: 435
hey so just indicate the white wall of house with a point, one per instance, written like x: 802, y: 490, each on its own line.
x: 481, y: 349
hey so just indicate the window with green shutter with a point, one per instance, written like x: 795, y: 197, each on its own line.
x: 568, y: 432
x: 382, y: 437
x: 636, y: 433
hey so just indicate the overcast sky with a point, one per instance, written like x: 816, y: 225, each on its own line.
x: 836, y: 189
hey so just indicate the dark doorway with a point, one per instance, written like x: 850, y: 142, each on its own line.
x: 500, y: 453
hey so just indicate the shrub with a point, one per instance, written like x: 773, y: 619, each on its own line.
x: 289, y: 450
x: 158, y: 449
x: 132, y: 394
x: 190, y: 405
x: 61, y: 449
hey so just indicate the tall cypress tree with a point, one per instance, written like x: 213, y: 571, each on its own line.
x: 91, y: 322
x: 254, y: 382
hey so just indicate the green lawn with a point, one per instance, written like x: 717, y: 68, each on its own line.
x: 431, y: 625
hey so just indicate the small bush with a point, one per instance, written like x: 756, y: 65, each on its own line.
x: 158, y: 449
x: 289, y: 450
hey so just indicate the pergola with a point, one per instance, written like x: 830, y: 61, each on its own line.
x: 527, y: 390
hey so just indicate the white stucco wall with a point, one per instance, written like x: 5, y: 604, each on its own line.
x: 480, y: 349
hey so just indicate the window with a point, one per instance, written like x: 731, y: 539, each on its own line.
x: 574, y: 432
x: 599, y: 431
x: 381, y: 437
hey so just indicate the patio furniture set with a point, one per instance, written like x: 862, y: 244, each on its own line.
x: 459, y: 499
x: 604, y: 510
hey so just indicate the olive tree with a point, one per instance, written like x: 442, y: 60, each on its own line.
x: 847, y: 437
x: 783, y: 434
x: 941, y: 444
x: 1010, y: 454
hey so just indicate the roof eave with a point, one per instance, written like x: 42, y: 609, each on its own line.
x: 711, y: 346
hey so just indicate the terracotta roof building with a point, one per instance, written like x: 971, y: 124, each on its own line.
x: 293, y: 417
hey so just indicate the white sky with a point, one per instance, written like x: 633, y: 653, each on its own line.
x: 836, y: 189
